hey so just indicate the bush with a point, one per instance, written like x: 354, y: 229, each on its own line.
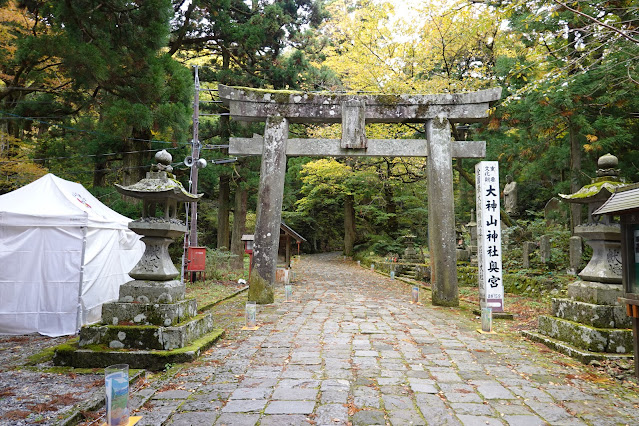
x: 218, y: 265
x: 532, y: 230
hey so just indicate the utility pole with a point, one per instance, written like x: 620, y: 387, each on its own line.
x: 195, y: 155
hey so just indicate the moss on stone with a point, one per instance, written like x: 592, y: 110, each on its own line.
x: 389, y: 100
x: 529, y: 285
x: 69, y: 354
x: 449, y: 303
x: 260, y: 291
x: 592, y: 189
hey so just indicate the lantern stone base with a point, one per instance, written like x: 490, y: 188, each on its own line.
x: 590, y: 314
x: 586, y: 337
x: 142, y: 291
x: 119, y: 313
x: 579, y: 354
x: 146, y: 336
x: 595, y: 292
x: 589, y: 325
x: 143, y: 344
x: 70, y: 354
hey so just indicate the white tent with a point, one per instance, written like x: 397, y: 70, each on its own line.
x: 62, y: 255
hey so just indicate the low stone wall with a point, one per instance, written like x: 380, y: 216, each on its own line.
x: 528, y: 285
x: 422, y: 270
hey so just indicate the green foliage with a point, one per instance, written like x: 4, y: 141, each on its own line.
x: 532, y: 230
x: 380, y: 245
x: 94, y: 79
x: 565, y: 101
x: 218, y: 265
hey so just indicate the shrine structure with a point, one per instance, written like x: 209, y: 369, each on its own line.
x: 279, y: 108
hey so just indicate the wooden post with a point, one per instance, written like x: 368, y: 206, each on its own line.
x: 269, y: 210
x: 441, y: 213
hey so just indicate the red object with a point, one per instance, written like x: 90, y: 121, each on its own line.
x: 196, y: 259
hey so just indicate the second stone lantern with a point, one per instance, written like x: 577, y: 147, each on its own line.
x: 590, y: 324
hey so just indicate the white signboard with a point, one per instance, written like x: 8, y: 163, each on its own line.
x: 491, y: 286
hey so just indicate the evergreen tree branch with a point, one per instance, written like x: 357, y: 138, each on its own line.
x: 598, y: 22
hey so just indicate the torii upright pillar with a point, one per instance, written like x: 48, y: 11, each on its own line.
x: 441, y: 213
x: 278, y: 108
x: 269, y: 210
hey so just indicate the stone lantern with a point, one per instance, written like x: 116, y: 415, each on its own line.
x: 154, y: 275
x: 590, y: 324
x: 625, y: 204
x: 152, y: 323
x: 600, y: 233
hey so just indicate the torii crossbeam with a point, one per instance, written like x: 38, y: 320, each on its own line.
x: 279, y: 108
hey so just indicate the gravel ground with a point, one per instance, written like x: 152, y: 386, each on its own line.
x: 39, y: 394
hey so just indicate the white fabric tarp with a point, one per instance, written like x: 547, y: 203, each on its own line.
x: 62, y: 255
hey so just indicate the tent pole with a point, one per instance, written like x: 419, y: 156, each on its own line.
x: 84, y: 246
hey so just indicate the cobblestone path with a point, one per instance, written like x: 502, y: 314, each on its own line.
x: 351, y: 349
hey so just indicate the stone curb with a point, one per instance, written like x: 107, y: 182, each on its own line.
x: 224, y: 299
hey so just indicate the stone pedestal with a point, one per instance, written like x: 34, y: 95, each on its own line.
x: 590, y: 324
x: 152, y: 323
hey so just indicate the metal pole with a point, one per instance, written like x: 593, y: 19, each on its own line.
x: 195, y: 154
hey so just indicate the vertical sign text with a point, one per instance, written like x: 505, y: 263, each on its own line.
x: 491, y: 287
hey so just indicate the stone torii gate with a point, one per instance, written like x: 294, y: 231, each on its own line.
x: 279, y: 108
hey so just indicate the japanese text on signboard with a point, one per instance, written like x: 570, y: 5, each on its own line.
x: 491, y: 288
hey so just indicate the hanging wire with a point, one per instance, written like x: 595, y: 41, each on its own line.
x: 92, y: 132
x: 82, y: 156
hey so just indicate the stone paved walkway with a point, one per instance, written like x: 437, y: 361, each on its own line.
x: 351, y: 349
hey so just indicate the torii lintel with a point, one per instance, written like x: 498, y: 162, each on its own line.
x: 248, y: 104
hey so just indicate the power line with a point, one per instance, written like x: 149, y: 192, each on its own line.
x: 81, y: 155
x: 93, y: 132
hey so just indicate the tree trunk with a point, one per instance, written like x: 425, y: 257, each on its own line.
x: 349, y: 224
x: 575, y: 170
x: 391, y: 211
x: 134, y: 161
x: 223, y: 233
x: 99, y: 173
x: 239, y: 227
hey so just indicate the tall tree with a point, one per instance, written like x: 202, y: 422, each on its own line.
x: 567, y: 92
x: 96, y: 69
x: 243, y: 44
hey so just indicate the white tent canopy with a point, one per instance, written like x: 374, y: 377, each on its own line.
x: 62, y: 255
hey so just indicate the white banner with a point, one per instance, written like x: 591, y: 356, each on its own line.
x: 491, y: 287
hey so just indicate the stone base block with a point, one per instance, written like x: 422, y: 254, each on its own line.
x: 599, y: 316
x: 146, y: 336
x: 152, y: 291
x: 70, y: 354
x: 595, y: 292
x: 463, y: 255
x: 616, y: 341
x: 579, y: 354
x: 118, y: 313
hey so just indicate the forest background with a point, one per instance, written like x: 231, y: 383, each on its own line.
x: 90, y: 90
